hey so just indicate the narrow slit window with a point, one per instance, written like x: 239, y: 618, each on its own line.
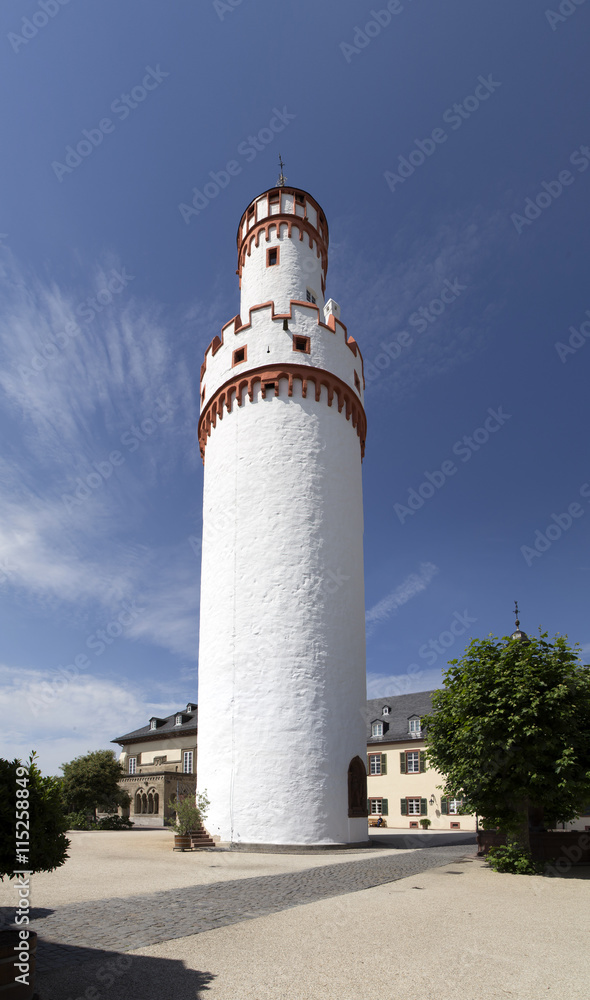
x: 272, y: 257
x: 357, y: 383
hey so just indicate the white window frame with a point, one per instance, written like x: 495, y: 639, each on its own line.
x: 454, y: 805
x: 415, y: 726
x: 132, y: 765
x: 153, y: 724
x: 376, y: 807
x: 386, y: 710
x: 413, y: 757
x: 178, y: 720
x: 377, y: 729
x: 375, y: 763
x: 187, y: 757
x: 413, y: 802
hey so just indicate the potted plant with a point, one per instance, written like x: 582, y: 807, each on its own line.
x: 32, y: 817
x: 425, y: 823
x: 189, y: 819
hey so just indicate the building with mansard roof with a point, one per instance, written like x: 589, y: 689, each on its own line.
x: 160, y: 762
x: 402, y: 790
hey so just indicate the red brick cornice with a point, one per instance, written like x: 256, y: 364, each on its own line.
x: 234, y: 388
x: 276, y: 221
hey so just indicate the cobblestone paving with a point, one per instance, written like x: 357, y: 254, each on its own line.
x: 122, y: 924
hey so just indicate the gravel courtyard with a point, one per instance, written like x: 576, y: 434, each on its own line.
x: 126, y: 917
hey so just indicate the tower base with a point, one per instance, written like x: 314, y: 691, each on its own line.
x: 294, y: 848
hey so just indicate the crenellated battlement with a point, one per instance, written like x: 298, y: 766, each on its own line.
x: 282, y: 250
x: 273, y: 338
x: 286, y: 202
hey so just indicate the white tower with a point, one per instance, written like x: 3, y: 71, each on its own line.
x: 281, y: 741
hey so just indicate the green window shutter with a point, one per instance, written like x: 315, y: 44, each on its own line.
x: 444, y: 807
x: 402, y: 763
x: 422, y: 760
x: 423, y: 807
x: 369, y: 806
x: 384, y: 805
x: 404, y: 807
x: 383, y: 763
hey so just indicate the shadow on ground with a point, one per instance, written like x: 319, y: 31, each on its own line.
x: 421, y: 841
x: 7, y: 915
x: 89, y: 974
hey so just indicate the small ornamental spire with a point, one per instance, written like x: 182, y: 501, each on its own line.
x: 282, y: 178
x: 522, y: 636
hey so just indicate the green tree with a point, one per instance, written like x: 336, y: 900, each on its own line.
x: 510, y: 732
x: 190, y: 812
x: 91, y: 781
x: 38, y: 810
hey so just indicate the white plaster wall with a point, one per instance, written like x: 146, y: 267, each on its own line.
x: 282, y: 650
x: 328, y: 350
x: 299, y: 268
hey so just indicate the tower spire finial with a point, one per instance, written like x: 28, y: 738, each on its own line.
x: 282, y: 178
x: 522, y: 636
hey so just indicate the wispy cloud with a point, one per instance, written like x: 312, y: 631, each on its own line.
x: 390, y: 685
x: 76, y: 525
x: 95, y: 711
x: 414, y: 584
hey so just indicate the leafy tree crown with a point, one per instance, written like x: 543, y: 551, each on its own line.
x: 510, y: 730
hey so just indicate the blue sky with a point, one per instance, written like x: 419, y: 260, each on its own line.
x: 446, y: 145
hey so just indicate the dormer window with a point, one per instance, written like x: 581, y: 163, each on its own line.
x: 377, y: 729
x: 153, y: 723
x: 386, y: 710
x: 178, y: 720
x: 415, y: 727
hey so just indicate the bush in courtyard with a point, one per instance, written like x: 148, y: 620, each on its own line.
x: 79, y: 821
x: 514, y: 860
x: 113, y: 823
x: 190, y: 813
x: 39, y: 805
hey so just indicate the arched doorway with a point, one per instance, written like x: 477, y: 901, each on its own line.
x: 357, y: 789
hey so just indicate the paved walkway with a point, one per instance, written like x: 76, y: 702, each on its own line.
x: 123, y: 924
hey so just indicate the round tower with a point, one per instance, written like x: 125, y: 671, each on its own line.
x: 281, y: 741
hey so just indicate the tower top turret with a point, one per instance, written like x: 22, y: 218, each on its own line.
x: 284, y: 203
